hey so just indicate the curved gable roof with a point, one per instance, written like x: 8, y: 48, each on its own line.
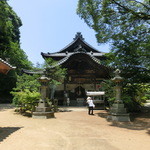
x: 78, y: 44
x: 78, y: 41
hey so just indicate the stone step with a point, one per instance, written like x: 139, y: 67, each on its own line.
x: 118, y: 105
x: 118, y: 110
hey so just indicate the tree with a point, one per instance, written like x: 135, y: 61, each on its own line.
x: 125, y: 25
x: 54, y: 71
x: 26, y: 94
x: 56, y: 74
x: 110, y: 18
x: 10, y: 38
x: 10, y: 47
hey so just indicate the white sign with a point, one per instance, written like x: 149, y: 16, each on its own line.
x: 95, y: 93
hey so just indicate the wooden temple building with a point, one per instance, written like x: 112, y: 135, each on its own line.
x: 85, y: 70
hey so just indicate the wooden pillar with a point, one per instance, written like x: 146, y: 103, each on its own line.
x: 64, y: 93
x: 65, y: 83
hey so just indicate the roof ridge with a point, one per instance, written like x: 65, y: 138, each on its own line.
x: 78, y: 36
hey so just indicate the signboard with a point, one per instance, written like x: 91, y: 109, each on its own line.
x: 95, y: 93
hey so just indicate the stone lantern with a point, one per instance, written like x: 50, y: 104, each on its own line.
x: 43, y: 110
x: 118, y: 112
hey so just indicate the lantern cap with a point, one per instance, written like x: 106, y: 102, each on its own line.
x: 44, y: 78
x: 117, y: 77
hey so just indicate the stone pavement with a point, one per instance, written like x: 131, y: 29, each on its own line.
x: 69, y: 108
x: 72, y: 129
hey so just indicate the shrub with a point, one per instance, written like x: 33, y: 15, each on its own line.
x: 25, y: 100
x: 26, y: 93
x: 133, y: 95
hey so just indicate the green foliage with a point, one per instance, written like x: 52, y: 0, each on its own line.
x: 132, y: 95
x: 125, y: 24
x: 19, y: 59
x: 131, y: 105
x: 7, y: 83
x: 27, y: 82
x: 10, y: 47
x: 53, y: 104
x: 112, y: 19
x: 138, y: 92
x: 54, y: 72
x: 26, y: 93
x: 26, y: 100
x: 108, y: 87
x: 135, y: 95
x: 10, y: 38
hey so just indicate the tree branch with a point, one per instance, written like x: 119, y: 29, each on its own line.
x: 139, y: 14
x: 142, y: 4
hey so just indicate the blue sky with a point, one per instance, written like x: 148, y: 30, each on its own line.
x: 50, y: 25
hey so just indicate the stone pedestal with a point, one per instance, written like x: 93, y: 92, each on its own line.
x: 43, y: 111
x: 118, y: 113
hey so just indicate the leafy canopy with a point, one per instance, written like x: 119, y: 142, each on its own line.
x: 26, y: 93
x: 125, y: 24
x: 10, y: 38
x: 27, y: 82
x: 10, y: 47
x: 112, y: 18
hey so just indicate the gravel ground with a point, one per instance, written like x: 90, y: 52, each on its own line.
x: 72, y: 129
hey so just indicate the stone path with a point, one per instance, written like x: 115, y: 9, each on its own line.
x: 70, y: 130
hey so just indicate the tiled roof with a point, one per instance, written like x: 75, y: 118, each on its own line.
x: 77, y: 44
x: 60, y: 62
x: 6, y: 63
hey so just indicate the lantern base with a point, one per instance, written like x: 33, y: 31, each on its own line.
x: 118, y: 113
x: 43, y: 115
x: 119, y: 117
x: 43, y: 111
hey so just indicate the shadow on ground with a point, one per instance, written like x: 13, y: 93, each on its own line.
x: 64, y: 110
x: 139, y: 121
x: 4, y: 107
x: 148, y: 131
x: 6, y: 131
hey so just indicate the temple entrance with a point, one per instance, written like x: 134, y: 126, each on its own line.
x: 77, y: 96
x: 80, y: 92
x: 80, y: 96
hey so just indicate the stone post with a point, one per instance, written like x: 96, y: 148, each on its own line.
x: 118, y: 112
